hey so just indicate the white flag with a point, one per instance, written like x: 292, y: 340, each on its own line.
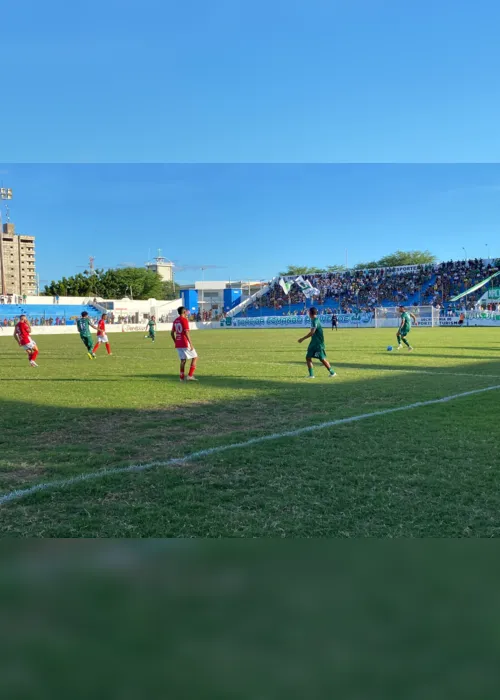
x: 285, y: 286
x: 302, y: 283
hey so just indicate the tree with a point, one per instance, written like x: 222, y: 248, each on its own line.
x: 296, y: 271
x: 336, y: 268
x: 171, y: 291
x: 136, y: 282
x: 410, y: 257
x: 366, y: 266
x: 400, y: 258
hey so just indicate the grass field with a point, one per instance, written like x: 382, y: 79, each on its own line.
x: 428, y: 471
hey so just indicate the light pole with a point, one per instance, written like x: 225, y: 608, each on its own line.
x: 487, y: 251
x: 466, y: 258
x: 203, y: 268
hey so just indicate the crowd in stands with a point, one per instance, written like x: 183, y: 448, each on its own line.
x: 21, y: 299
x: 200, y: 317
x: 452, y: 278
x: 64, y: 320
x: 12, y: 299
x: 35, y: 321
x: 363, y: 290
x: 356, y: 290
x: 207, y: 316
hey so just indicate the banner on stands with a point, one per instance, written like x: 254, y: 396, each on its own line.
x: 365, y: 320
x: 493, y: 294
x: 483, y: 318
x: 449, y: 321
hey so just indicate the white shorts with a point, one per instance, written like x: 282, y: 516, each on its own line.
x: 185, y: 354
x: 102, y: 339
x: 29, y: 346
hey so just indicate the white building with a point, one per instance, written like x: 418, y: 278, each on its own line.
x: 211, y: 294
x: 164, y: 267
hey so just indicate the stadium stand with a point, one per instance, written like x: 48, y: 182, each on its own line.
x: 352, y: 291
x: 44, y: 314
x: 363, y: 290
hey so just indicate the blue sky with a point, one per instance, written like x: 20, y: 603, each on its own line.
x: 251, y: 220
x: 250, y: 81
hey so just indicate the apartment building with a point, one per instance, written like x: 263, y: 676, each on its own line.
x: 17, y: 262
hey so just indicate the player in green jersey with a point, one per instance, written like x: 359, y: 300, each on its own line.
x: 84, y: 325
x: 405, y: 327
x: 316, y: 347
x: 151, y: 328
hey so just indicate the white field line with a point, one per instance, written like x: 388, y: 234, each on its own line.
x: 178, y: 461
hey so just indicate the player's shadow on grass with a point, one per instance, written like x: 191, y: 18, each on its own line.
x: 492, y: 349
x: 57, y: 379
x: 493, y: 367
x: 195, y: 416
x: 309, y: 390
x: 61, y: 441
x: 450, y: 356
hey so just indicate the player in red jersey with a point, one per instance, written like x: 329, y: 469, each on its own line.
x: 101, y: 335
x: 182, y: 340
x: 22, y: 333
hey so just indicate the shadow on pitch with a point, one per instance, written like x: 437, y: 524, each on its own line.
x: 59, y: 441
x: 470, y: 369
x: 34, y: 378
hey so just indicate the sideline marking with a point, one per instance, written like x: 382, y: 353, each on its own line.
x: 17, y: 494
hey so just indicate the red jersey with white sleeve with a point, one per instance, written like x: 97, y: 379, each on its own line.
x: 23, y: 333
x: 101, y: 327
x: 180, y: 327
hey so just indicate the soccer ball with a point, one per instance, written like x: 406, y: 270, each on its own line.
x: 389, y: 348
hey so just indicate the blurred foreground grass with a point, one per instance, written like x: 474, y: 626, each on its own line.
x: 249, y: 620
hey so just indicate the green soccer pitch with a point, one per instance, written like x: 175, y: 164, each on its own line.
x: 427, y: 470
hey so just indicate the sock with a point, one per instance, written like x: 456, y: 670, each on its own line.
x: 331, y: 370
x: 311, y: 371
x: 182, y: 374
x: 192, y: 370
x: 95, y: 347
x: 33, y: 355
x: 108, y: 348
x: 398, y: 337
x: 405, y: 342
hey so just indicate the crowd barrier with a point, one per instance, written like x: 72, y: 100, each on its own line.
x: 474, y: 318
x: 365, y: 320
x: 111, y: 328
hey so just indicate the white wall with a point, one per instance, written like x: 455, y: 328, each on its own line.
x: 141, y: 327
x: 112, y: 328
x: 165, y: 308
x: 62, y: 300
